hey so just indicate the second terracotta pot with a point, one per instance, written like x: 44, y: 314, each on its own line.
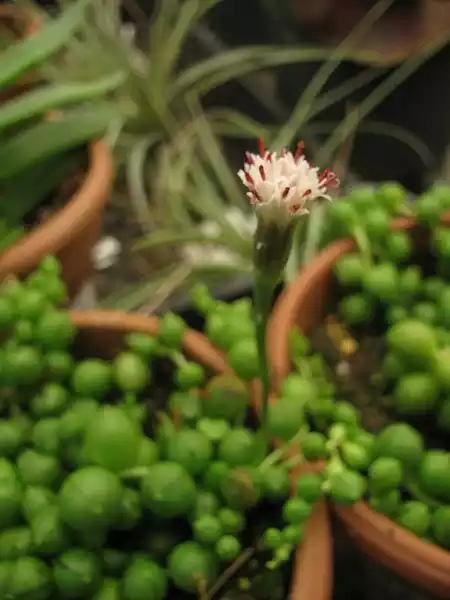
x: 303, y: 304
x: 101, y: 333
x: 393, y: 38
x: 71, y: 232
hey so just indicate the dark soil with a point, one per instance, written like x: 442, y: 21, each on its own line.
x: 58, y: 197
x: 359, y: 382
x: 132, y: 267
x: 358, y: 577
x: 55, y: 193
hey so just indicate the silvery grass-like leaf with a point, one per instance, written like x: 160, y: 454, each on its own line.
x: 42, y: 45
x: 50, y: 138
x: 374, y: 99
x: 34, y: 160
x: 378, y: 128
x: 171, y: 28
x: 39, y: 101
x: 135, y: 296
x: 301, y: 113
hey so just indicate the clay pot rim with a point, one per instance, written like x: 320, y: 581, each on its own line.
x: 194, y: 343
x: 292, y: 296
x: 389, y: 541
x: 30, y: 21
x: 428, y: 25
x: 67, y: 222
x: 317, y: 549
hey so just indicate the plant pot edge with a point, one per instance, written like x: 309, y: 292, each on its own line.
x: 301, y: 304
x: 71, y: 231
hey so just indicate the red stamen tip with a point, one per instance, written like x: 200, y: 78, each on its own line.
x: 249, y: 158
x: 329, y: 178
x: 249, y: 178
x: 262, y: 147
x: 333, y: 180
x: 255, y: 199
x: 299, y: 151
x: 324, y: 175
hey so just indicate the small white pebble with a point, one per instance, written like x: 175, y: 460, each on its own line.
x: 343, y: 369
x: 106, y: 252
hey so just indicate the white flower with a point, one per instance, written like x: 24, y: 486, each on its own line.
x: 105, y: 252
x: 286, y: 185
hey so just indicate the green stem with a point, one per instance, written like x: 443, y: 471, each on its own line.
x: 134, y: 473
x: 405, y: 211
x: 315, y: 225
x: 294, y: 263
x: 279, y: 559
x: 363, y: 243
x: 130, y: 400
x: 175, y: 356
x: 294, y: 461
x: 417, y: 494
x: 281, y: 452
x: 263, y: 291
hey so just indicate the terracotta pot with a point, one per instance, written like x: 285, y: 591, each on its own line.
x: 303, y: 304
x: 395, y: 37
x: 101, y: 334
x: 70, y: 232
x: 21, y: 24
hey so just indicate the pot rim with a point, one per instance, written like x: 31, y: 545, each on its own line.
x: 196, y: 344
x: 316, y: 551
x: 380, y: 46
x: 12, y: 13
x: 67, y: 222
x: 390, y: 544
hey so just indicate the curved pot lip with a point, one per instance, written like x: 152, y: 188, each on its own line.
x: 391, y: 539
x: 30, y: 20
x: 292, y: 297
x: 382, y: 46
x: 195, y: 343
x: 316, y: 552
x: 67, y: 222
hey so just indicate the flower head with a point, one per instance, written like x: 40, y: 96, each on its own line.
x: 285, y: 185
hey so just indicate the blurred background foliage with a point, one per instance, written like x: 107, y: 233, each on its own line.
x: 362, y: 82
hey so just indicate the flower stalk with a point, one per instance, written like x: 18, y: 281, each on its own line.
x: 281, y: 188
x: 263, y: 292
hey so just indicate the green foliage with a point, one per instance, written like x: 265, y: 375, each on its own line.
x: 38, y: 136
x: 83, y: 456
